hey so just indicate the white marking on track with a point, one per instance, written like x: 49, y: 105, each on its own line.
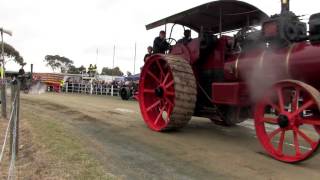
x: 292, y: 145
x: 124, y: 110
x: 250, y: 124
x: 289, y: 144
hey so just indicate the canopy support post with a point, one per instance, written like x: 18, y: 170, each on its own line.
x: 220, y: 22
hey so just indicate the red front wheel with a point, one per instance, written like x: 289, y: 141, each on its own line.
x: 167, y: 92
x: 287, y: 121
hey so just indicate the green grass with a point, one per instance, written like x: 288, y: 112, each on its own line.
x: 66, y: 153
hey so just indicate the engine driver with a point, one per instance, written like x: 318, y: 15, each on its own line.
x: 187, y: 37
x: 160, y: 45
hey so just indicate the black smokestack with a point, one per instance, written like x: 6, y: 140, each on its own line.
x: 285, y: 6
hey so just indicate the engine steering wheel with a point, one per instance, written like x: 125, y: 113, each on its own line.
x: 241, y: 36
x: 242, y: 33
x: 171, y: 41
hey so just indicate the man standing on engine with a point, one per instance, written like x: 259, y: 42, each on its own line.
x: 148, y: 54
x: 160, y: 45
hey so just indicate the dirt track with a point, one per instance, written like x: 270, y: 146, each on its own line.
x: 118, y: 138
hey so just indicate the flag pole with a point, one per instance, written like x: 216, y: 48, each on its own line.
x: 135, y: 56
x: 114, y: 52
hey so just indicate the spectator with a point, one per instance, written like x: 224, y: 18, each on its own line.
x: 21, y: 77
x: 1, y: 71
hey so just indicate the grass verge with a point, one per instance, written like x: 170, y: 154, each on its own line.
x: 51, y: 150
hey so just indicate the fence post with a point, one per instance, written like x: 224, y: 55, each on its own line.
x: 82, y: 88
x: 112, y: 90
x: 18, y: 116
x: 91, y: 88
x: 13, y: 109
x: 13, y: 91
x: 87, y: 88
x: 87, y: 92
x: 3, y: 99
x: 67, y: 87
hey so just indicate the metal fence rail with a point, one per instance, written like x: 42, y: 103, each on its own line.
x: 92, y: 89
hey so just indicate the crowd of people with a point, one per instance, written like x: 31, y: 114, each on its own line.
x: 95, y: 83
x: 99, y: 87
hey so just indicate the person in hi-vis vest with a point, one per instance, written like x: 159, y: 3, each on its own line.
x: 1, y: 71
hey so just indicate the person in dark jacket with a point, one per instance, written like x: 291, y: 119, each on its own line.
x: 187, y: 37
x: 160, y: 45
x: 21, y: 71
x: 149, y: 54
x: 22, y: 78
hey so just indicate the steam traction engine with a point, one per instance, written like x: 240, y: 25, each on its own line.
x: 267, y: 71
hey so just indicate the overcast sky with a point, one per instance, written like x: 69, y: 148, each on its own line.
x: 77, y: 28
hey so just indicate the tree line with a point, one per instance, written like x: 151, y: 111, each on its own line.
x: 12, y: 54
x: 65, y: 65
x: 59, y: 63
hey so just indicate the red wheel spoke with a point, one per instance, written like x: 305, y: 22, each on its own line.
x: 315, y: 122
x: 274, y: 133
x: 148, y: 90
x: 169, y: 84
x: 305, y: 137
x: 169, y: 109
x: 304, y: 107
x: 166, y: 78
x: 154, y: 76
x: 159, y: 116
x: 169, y: 101
x: 281, y: 141
x: 160, y: 68
x: 270, y: 120
x: 296, y: 142
x: 169, y: 93
x: 296, y: 100
x: 153, y: 105
x: 280, y: 98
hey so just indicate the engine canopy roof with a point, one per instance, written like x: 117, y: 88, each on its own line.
x: 234, y: 15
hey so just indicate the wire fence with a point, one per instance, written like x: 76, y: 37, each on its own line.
x: 92, y: 89
x: 12, y: 130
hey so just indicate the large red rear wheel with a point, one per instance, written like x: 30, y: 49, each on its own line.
x: 287, y: 121
x: 167, y: 92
